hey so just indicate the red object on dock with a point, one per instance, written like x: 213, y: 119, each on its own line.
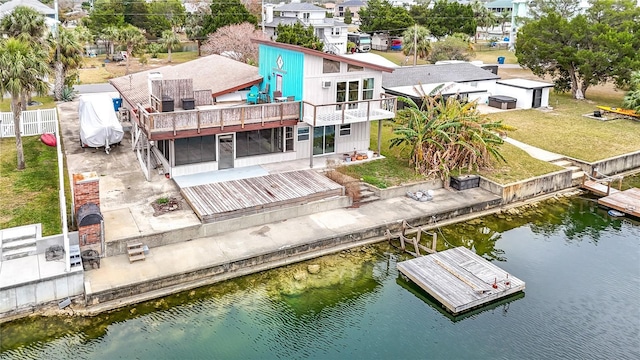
x: 49, y: 139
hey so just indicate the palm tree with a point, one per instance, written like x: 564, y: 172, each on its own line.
x: 169, y: 39
x: 484, y: 17
x: 109, y: 35
x: 23, y: 68
x: 447, y: 135
x: 419, y: 36
x: 68, y: 57
x: 503, y: 19
x: 133, y: 38
x: 29, y: 25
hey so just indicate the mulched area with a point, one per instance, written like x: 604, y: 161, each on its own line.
x: 173, y: 204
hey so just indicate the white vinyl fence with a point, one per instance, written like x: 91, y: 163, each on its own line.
x: 34, y: 122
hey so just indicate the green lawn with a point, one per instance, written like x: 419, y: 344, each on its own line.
x: 29, y: 196
x: 47, y: 103
x: 565, y: 131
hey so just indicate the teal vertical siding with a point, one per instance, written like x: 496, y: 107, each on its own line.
x: 292, y: 70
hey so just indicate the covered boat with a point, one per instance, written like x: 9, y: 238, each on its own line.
x: 99, y: 125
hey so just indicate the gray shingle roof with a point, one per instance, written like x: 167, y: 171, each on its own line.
x: 432, y: 74
x: 299, y: 7
x: 214, y: 72
x: 353, y: 3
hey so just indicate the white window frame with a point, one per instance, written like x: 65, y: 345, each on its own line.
x: 344, y: 130
x: 303, y: 132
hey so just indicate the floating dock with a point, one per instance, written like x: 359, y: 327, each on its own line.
x: 627, y: 201
x: 460, y: 279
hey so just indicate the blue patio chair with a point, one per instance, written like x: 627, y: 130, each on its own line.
x: 252, y: 96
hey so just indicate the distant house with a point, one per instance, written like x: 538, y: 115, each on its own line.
x: 478, y: 83
x: 499, y: 6
x: 215, y: 113
x: 43, y: 9
x: 331, y: 32
x: 49, y: 13
x: 354, y: 6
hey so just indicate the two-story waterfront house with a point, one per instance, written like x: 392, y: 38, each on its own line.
x: 331, y: 32
x: 194, y: 117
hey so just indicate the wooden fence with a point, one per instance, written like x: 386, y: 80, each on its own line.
x: 34, y: 122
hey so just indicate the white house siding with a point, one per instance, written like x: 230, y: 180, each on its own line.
x: 489, y: 86
x: 358, y: 140
x: 545, y: 97
x: 264, y: 159
x: 524, y: 96
x: 313, y: 77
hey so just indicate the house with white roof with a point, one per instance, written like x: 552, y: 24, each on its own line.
x: 331, y: 32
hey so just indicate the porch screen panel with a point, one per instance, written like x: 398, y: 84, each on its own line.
x: 195, y: 150
x: 258, y: 142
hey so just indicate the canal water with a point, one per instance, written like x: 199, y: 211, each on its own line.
x: 582, y: 273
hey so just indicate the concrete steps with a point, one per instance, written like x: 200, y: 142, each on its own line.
x: 576, y: 171
x: 18, y: 242
x: 366, y: 196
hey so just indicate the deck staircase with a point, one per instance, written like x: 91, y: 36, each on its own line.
x: 577, y: 173
x: 366, y: 196
x: 19, y: 242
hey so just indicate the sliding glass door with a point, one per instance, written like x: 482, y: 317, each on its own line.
x: 324, y: 140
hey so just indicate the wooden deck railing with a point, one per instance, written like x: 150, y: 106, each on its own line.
x: 199, y: 119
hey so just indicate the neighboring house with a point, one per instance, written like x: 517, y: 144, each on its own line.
x: 195, y: 117
x: 8, y: 7
x: 500, y: 6
x: 529, y: 93
x: 479, y: 83
x: 331, y: 32
x: 49, y: 13
x: 354, y: 6
x: 467, y: 82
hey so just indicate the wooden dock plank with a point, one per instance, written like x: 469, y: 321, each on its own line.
x: 460, y: 279
x: 598, y: 188
x: 219, y: 201
x: 627, y: 201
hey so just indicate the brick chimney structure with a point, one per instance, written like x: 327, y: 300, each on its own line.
x: 86, y: 195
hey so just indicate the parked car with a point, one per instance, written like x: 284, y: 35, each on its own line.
x: 120, y: 56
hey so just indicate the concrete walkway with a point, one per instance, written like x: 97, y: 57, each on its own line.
x: 117, y: 275
x: 535, y: 152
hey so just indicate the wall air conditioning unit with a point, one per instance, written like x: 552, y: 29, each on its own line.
x: 326, y: 84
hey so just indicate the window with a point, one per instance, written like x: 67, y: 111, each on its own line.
x: 347, y: 92
x: 345, y: 130
x: 163, y: 146
x: 351, y: 68
x: 195, y: 150
x: 473, y: 84
x: 305, y: 17
x: 303, y: 133
x: 258, y: 142
x: 367, y: 89
x: 288, y: 138
x: 335, y: 31
x: 330, y: 66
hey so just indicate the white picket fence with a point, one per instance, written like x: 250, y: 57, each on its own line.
x: 34, y: 122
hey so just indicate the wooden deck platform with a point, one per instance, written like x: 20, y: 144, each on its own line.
x: 627, y: 201
x: 598, y: 188
x: 460, y: 279
x: 235, y: 198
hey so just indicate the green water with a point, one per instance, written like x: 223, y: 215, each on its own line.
x: 582, y: 270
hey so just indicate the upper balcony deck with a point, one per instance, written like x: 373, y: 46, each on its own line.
x: 215, y: 119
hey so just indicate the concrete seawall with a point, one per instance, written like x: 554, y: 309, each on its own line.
x: 530, y: 188
x: 179, y: 267
x: 611, y: 166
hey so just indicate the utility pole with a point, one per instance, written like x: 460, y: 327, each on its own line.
x: 415, y: 45
x: 262, y: 15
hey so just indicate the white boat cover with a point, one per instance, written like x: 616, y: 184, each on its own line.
x: 99, y: 125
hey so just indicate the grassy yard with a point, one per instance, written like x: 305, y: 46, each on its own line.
x: 47, y: 103
x: 96, y: 70
x: 395, y: 169
x: 565, y: 131
x: 485, y: 54
x: 29, y: 196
